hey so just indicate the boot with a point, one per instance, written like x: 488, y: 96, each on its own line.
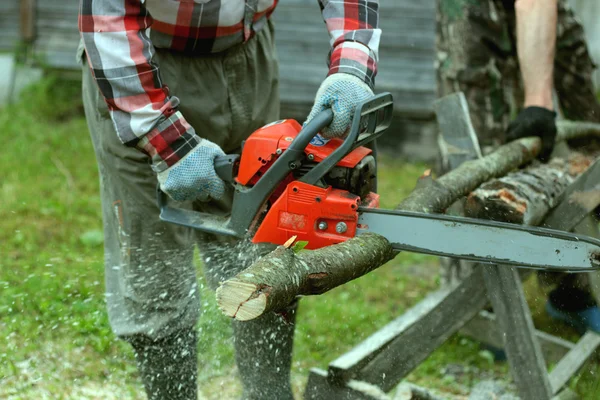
x: 169, y: 366
x: 263, y: 349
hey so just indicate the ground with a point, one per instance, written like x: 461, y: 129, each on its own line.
x: 55, y: 341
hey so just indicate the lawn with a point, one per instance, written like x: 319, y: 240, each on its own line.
x: 55, y: 341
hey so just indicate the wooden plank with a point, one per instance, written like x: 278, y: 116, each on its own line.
x: 484, y: 329
x: 566, y: 394
x: 318, y: 388
x: 574, y: 360
x: 524, y: 354
x: 390, y: 354
x: 458, y: 141
x: 578, y: 200
x: 28, y: 15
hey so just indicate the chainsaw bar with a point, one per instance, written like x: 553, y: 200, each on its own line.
x: 483, y: 241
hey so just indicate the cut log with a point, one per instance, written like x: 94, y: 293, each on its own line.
x: 526, y: 196
x: 275, y: 280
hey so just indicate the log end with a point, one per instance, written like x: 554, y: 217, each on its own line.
x: 240, y: 300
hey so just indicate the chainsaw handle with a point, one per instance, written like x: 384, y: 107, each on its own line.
x: 247, y: 203
x: 226, y: 167
x: 310, y: 130
x: 372, y: 117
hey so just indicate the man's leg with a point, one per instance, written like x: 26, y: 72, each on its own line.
x: 572, y: 300
x: 263, y: 347
x: 151, y: 284
x: 226, y: 97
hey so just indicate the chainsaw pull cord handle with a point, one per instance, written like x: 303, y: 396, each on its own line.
x: 371, y: 118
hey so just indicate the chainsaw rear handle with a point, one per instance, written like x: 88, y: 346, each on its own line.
x: 248, y: 202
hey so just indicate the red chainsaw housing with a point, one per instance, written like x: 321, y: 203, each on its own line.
x: 312, y: 214
x: 296, y: 208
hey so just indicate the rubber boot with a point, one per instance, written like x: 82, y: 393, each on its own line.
x: 168, y: 367
x: 574, y: 307
x: 263, y: 349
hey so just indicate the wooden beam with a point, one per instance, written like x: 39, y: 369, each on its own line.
x: 457, y: 141
x: 574, y: 360
x: 578, y: 200
x: 319, y: 388
x: 390, y: 354
x: 527, y: 365
x: 566, y: 394
x: 484, y: 328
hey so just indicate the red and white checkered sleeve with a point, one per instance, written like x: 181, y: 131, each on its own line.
x: 353, y: 26
x: 120, y: 55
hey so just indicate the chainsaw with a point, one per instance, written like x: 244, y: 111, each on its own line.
x: 289, y: 182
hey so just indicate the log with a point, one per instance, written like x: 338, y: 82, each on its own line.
x: 568, y: 130
x: 526, y: 196
x: 434, y: 196
x: 275, y: 280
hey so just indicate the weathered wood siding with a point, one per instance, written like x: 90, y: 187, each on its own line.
x: 406, y: 56
x: 407, y: 46
x: 57, y: 35
x: 9, y: 24
x: 406, y: 53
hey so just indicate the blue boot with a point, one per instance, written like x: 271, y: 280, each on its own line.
x: 583, y: 320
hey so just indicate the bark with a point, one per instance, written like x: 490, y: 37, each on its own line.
x: 434, y: 196
x: 568, y: 130
x: 277, y: 279
x: 526, y: 196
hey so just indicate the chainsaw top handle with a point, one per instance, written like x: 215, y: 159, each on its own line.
x: 370, y: 120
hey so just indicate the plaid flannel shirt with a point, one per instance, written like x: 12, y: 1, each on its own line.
x: 120, y: 37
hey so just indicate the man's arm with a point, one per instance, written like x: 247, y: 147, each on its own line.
x: 120, y: 54
x: 354, y: 30
x: 536, y: 42
x: 353, y: 26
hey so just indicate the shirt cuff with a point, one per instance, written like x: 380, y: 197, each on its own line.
x: 169, y: 141
x: 356, y: 59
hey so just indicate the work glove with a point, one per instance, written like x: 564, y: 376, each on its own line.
x: 194, y: 176
x: 535, y: 121
x: 342, y: 93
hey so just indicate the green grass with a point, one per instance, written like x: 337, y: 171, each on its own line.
x: 55, y: 340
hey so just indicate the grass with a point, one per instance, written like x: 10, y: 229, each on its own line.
x: 55, y: 340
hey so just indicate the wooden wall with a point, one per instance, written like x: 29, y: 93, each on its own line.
x: 406, y: 54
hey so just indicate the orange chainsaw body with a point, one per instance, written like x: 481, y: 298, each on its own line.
x: 319, y: 215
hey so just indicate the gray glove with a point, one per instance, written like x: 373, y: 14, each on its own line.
x: 194, y: 177
x: 342, y: 93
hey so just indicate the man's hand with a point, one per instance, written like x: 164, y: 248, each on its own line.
x: 342, y: 93
x: 194, y: 177
x: 535, y: 121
